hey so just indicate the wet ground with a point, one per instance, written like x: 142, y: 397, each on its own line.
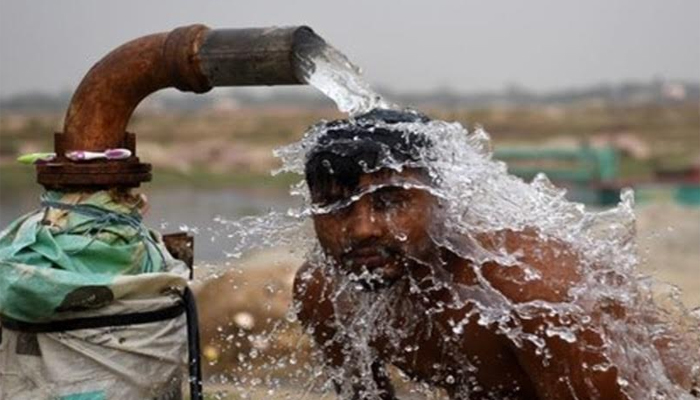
x: 669, y: 244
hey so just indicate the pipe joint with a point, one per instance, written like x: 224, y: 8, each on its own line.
x: 181, y: 53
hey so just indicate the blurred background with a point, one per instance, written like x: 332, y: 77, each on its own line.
x: 600, y: 95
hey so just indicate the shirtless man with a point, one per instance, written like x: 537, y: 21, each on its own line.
x: 376, y: 219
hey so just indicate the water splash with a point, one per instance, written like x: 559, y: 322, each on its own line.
x: 478, y: 197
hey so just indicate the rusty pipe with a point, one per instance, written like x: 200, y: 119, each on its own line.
x: 192, y: 58
x: 107, y: 96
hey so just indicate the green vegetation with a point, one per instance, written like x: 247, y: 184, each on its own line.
x: 233, y: 148
x: 203, y: 179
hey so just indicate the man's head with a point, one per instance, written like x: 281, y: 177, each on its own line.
x: 368, y: 183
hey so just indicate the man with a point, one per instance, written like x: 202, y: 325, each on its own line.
x: 391, y: 285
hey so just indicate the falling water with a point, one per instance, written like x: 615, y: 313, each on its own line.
x: 331, y: 72
x: 478, y: 197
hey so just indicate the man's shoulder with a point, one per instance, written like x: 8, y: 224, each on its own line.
x: 541, y: 267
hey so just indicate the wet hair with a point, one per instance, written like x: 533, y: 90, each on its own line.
x: 349, y: 148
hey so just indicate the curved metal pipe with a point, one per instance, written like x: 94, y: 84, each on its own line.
x: 192, y: 58
x: 105, y: 99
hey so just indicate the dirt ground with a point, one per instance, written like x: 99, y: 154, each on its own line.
x: 669, y: 246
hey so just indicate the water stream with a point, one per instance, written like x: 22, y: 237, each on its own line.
x: 333, y: 74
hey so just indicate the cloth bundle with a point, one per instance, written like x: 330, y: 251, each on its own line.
x: 81, y: 257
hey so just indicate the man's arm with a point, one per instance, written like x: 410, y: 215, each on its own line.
x: 564, y: 370
x: 312, y: 295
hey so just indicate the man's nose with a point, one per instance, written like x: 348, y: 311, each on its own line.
x: 364, y: 222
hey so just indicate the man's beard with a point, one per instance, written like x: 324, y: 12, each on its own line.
x: 374, y: 266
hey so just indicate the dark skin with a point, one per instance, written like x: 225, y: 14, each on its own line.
x: 385, y: 233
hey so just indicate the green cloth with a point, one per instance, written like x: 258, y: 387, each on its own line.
x: 99, y: 395
x: 67, y: 255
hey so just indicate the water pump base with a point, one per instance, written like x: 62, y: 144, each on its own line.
x: 64, y: 174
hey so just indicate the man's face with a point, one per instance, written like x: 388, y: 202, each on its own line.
x: 378, y: 230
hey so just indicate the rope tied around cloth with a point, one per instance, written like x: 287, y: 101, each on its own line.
x: 103, y: 218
